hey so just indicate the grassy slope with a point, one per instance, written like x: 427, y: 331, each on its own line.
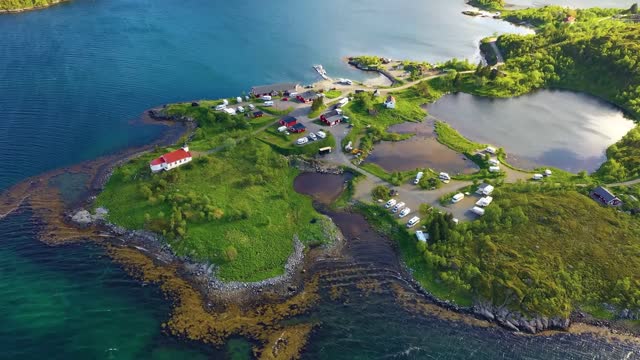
x: 250, y: 184
x: 567, y: 251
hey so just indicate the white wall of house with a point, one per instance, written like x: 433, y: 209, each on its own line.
x: 175, y: 164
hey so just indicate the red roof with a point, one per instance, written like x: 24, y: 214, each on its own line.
x: 157, y: 161
x: 176, y: 155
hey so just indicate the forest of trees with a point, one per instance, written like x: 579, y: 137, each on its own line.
x: 598, y: 54
x: 540, y: 251
x: 488, y: 4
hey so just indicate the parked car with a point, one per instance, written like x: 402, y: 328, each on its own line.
x: 240, y: 109
x: 282, y: 129
x: 390, y: 203
x: 268, y: 103
x: 266, y: 98
x: 285, y: 99
x: 313, y: 136
x: 302, y: 141
x: 221, y: 107
x: 404, y: 212
x: 252, y: 107
x: 321, y: 134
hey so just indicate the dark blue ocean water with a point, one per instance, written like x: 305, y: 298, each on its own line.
x: 74, y: 77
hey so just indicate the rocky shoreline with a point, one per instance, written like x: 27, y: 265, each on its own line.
x: 201, y: 274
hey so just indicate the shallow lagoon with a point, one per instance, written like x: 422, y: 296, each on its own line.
x: 563, y: 129
x: 420, y: 151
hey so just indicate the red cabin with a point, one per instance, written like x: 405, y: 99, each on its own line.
x: 331, y: 118
x: 288, y: 121
x: 297, y: 128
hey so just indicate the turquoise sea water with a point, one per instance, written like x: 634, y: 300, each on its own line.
x: 72, y: 79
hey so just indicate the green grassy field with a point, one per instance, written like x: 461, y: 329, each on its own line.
x: 333, y: 94
x: 241, y: 198
x: 541, y: 250
x: 451, y: 137
x: 285, y: 144
x: 370, y: 118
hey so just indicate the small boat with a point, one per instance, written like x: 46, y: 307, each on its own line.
x: 321, y: 71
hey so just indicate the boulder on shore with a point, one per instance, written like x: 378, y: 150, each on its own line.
x: 82, y: 218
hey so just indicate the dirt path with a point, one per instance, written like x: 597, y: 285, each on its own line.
x: 626, y: 183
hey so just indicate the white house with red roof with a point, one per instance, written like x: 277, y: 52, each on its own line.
x: 171, y: 160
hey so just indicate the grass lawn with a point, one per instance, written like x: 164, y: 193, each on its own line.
x: 273, y: 111
x: 285, y: 144
x: 332, y: 94
x: 241, y: 198
x: 316, y: 113
x: 451, y: 138
x: 407, y: 109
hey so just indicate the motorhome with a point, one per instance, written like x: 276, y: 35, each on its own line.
x: 413, y: 221
x: 418, y: 177
x: 390, y: 203
x: 398, y: 206
x: 404, y: 212
x: 485, y: 201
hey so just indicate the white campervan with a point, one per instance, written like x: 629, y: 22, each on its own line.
x: 413, y: 221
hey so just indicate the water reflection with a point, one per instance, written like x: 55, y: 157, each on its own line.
x: 421, y: 151
x: 564, y: 129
